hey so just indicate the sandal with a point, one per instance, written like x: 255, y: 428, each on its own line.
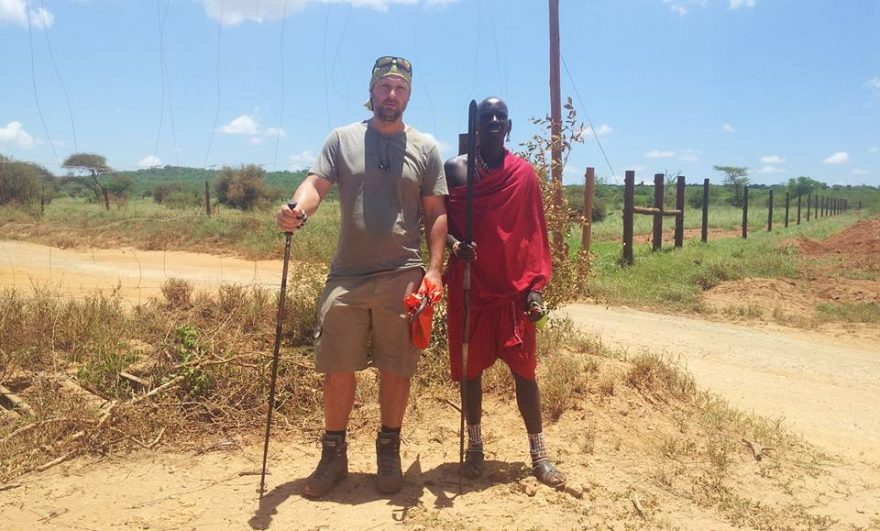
x: 548, y: 474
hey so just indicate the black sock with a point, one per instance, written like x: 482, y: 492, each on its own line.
x: 386, y: 429
x: 340, y: 433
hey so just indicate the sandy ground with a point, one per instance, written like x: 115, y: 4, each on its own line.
x: 825, y: 388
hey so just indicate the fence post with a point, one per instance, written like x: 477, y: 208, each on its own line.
x: 586, y: 229
x: 704, y: 232
x: 787, y: 199
x: 658, y: 218
x: 745, y: 227
x: 770, y: 212
x: 816, y: 208
x: 679, y: 205
x: 809, y: 203
x: 629, y: 180
x: 207, y: 199
x: 799, y: 209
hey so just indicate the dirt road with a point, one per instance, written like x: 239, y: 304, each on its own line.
x: 823, y: 389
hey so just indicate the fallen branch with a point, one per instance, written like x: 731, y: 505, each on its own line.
x: 171, y: 383
x: 50, y: 464
x: 29, y: 427
x: 157, y: 439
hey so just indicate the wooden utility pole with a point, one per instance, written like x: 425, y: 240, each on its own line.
x: 555, y: 116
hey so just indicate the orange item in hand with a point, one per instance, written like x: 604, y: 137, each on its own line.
x: 420, y: 312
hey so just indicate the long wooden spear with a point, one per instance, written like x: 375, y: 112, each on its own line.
x: 468, y: 235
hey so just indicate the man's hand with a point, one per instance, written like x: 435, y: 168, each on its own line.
x: 465, y: 251
x: 432, y: 286
x: 291, y: 220
x: 535, y: 306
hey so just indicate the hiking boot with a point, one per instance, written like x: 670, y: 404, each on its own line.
x: 389, y: 477
x: 548, y: 474
x: 473, y: 464
x: 332, y: 468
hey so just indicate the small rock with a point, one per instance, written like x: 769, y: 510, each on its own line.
x: 860, y: 510
x: 530, y: 490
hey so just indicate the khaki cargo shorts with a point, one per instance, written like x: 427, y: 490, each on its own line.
x: 362, y: 321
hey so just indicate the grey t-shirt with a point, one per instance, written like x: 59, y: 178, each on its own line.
x: 381, y: 181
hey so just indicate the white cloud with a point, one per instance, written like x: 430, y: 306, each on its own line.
x: 727, y: 128
x: 841, y: 157
x: 243, y: 125
x: 875, y: 149
x: 16, y: 12
x: 772, y: 159
x: 689, y: 155
x: 658, y: 154
x: 602, y: 130
x: 676, y: 7
x: 14, y: 133
x: 873, y: 85
x: 736, y: 4
x: 254, y: 140
x: 235, y: 12
x: 149, y: 161
x: 770, y: 169
x: 301, y: 161
x: 275, y: 131
x: 860, y: 171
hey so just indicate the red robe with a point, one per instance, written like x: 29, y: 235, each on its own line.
x: 513, y: 251
x: 513, y: 258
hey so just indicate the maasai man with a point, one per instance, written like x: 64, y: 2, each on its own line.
x: 510, y: 232
x: 391, y: 184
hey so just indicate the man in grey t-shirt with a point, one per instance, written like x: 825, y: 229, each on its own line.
x: 390, y: 181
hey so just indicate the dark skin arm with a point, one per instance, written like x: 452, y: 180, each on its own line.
x: 456, y: 175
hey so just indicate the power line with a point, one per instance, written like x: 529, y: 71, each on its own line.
x: 584, y: 107
x: 34, y: 83
x: 58, y: 74
x: 217, y: 112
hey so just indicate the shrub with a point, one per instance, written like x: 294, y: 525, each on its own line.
x: 243, y: 188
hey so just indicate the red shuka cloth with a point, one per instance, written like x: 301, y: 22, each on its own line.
x: 513, y: 251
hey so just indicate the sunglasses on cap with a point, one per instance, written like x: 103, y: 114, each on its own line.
x: 388, y: 60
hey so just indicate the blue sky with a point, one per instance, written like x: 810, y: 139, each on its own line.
x: 783, y: 87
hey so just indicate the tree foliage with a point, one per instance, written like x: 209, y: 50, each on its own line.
x: 804, y: 185
x: 94, y: 167
x: 243, y: 188
x: 736, y: 176
x: 25, y: 183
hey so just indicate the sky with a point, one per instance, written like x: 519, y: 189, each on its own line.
x: 786, y: 88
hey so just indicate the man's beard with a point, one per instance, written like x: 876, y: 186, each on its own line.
x: 389, y: 115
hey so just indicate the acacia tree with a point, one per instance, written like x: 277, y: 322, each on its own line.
x: 95, y: 167
x: 737, y: 177
x: 804, y: 185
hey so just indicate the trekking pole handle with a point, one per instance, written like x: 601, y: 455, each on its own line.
x: 291, y: 204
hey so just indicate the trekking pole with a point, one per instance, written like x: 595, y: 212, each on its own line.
x: 278, y: 321
x: 468, y: 235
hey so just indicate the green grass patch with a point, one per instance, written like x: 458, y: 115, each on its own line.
x: 851, y: 312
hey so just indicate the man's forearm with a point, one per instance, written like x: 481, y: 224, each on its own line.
x: 435, y: 229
